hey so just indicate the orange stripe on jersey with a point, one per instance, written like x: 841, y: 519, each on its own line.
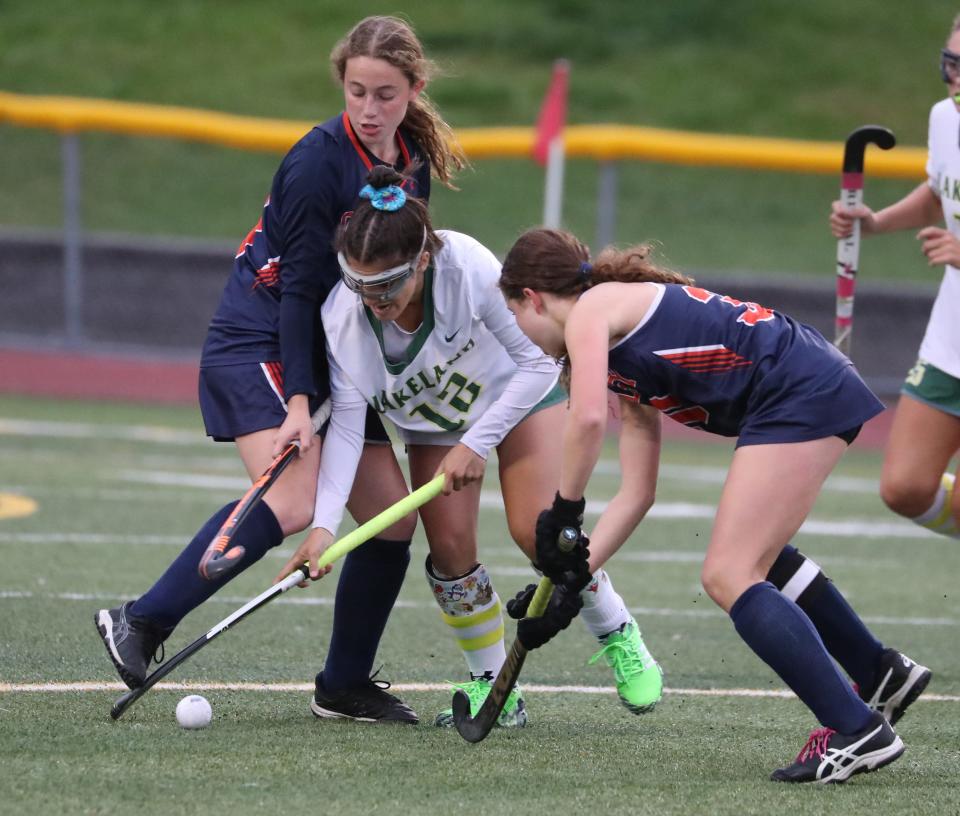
x: 403, y: 151
x: 664, y: 403
x: 710, y: 365
x: 704, y: 359
x: 356, y: 142
x: 268, y: 274
x: 362, y: 153
x: 275, y: 372
x: 258, y: 227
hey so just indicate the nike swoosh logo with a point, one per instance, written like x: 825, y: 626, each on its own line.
x: 450, y: 337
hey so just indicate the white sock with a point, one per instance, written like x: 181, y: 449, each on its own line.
x: 603, y: 609
x: 471, y: 609
x: 939, y: 517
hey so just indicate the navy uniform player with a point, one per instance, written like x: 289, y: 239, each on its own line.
x: 262, y: 374
x: 663, y: 345
x: 915, y: 481
x: 419, y: 330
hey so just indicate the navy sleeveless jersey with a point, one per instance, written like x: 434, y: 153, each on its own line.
x: 286, y: 265
x: 738, y: 369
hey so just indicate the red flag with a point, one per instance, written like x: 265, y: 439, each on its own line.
x: 553, y: 113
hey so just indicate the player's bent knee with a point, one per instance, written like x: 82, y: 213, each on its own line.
x: 293, y: 513
x: 725, y: 582
x: 524, y: 538
x: 295, y: 522
x: 715, y: 583
x: 453, y: 557
x: 905, y: 498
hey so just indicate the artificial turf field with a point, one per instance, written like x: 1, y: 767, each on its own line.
x: 120, y: 488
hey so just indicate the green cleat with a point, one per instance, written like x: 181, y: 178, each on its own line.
x: 514, y: 714
x: 639, y: 677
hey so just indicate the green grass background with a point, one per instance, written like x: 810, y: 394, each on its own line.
x: 60, y: 752
x: 812, y: 70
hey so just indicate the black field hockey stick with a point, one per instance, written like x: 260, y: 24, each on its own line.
x: 848, y: 249
x: 351, y: 541
x: 219, y: 557
x: 474, y: 729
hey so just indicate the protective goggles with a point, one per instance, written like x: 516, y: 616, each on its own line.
x: 949, y: 65
x: 381, y: 286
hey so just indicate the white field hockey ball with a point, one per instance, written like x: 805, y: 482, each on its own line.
x: 194, y: 712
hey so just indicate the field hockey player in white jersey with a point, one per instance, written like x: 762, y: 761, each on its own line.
x: 418, y: 330
x: 915, y: 481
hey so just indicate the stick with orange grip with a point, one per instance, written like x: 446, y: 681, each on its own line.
x: 219, y: 557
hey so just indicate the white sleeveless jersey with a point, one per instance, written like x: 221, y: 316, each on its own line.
x: 941, y: 342
x: 469, y: 374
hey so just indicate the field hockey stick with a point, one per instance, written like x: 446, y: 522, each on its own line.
x: 220, y: 558
x: 848, y: 249
x: 474, y: 729
x: 351, y: 541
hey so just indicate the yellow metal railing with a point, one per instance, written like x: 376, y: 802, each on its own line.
x: 607, y: 144
x: 600, y: 142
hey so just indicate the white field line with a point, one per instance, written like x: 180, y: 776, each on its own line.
x: 682, y: 473
x: 708, y: 610
x: 86, y: 686
x: 90, y: 430
x: 185, y: 489
x: 859, y: 528
x: 489, y: 552
x: 718, y: 475
x: 665, y: 511
x: 171, y: 436
x: 109, y: 494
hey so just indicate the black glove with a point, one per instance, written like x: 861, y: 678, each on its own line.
x: 563, y: 566
x: 517, y: 606
x: 562, y: 608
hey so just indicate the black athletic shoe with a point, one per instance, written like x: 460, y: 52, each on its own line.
x: 900, y: 682
x: 366, y: 703
x: 832, y: 757
x: 131, y: 642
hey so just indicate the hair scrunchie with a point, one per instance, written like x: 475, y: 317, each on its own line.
x: 385, y: 199
x: 585, y: 269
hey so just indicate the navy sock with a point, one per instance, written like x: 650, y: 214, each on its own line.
x: 181, y: 588
x: 783, y: 638
x: 846, y: 637
x: 370, y: 581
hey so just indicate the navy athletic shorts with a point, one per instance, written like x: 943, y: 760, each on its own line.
x: 239, y: 399
x: 800, y: 410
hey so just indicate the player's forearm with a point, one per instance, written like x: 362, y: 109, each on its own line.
x: 297, y: 318
x: 624, y: 512
x: 919, y: 208
x: 339, y: 459
x: 582, y: 442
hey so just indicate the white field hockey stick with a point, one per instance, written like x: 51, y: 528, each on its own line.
x: 848, y: 249
x: 220, y: 558
x: 351, y: 541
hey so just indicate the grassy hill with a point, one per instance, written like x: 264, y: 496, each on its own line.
x: 814, y: 70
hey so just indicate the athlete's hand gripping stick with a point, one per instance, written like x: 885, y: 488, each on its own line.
x: 475, y: 728
x: 561, y: 546
x: 221, y: 556
x: 848, y: 249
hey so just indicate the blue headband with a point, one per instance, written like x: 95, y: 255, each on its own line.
x: 586, y: 268
x: 386, y: 199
